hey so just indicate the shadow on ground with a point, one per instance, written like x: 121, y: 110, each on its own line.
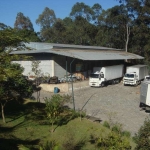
x: 13, y: 143
x: 19, y: 114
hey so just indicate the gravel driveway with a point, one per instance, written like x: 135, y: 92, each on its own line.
x: 116, y: 103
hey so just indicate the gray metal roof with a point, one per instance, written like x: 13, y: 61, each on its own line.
x: 79, y: 52
x: 39, y: 46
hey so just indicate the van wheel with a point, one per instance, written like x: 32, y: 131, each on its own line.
x: 117, y: 81
x: 147, y: 109
x: 136, y: 83
x: 102, y: 84
x: 140, y: 105
x: 113, y: 82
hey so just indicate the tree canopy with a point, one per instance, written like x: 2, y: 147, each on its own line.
x: 24, y: 28
x: 23, y: 22
x: 82, y: 10
x: 12, y: 83
x: 125, y: 26
x: 46, y: 19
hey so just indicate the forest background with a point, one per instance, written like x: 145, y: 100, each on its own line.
x: 125, y: 26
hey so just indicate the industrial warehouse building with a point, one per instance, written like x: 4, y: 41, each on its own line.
x: 62, y: 59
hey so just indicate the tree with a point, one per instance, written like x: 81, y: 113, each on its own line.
x: 25, y: 29
x: 54, y: 107
x: 59, y: 31
x: 140, y: 31
x: 12, y: 84
x: 47, y: 35
x: 37, y: 72
x: 97, y: 8
x: 80, y: 31
x: 69, y: 32
x: 115, y: 22
x: 142, y: 137
x: 35, y: 68
x: 56, y: 33
x: 23, y: 22
x: 29, y: 35
x: 122, y: 23
x: 3, y: 26
x: 81, y: 10
x: 106, y: 30
x: 9, y: 38
x: 46, y: 19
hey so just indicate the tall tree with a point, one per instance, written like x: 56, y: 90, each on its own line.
x: 12, y: 83
x: 59, y: 31
x: 97, y: 8
x: 3, y: 26
x: 25, y: 28
x: 80, y: 28
x: 82, y: 10
x: 23, y: 22
x: 115, y: 21
x: 46, y: 19
x: 140, y: 9
x: 29, y: 35
x: 69, y: 31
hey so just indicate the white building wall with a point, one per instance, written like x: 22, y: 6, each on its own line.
x: 46, y: 67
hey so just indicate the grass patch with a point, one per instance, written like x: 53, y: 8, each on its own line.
x: 30, y: 127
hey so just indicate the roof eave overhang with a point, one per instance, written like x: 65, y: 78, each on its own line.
x: 117, y: 56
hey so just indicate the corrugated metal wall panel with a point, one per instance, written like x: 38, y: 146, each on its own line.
x: 59, y: 66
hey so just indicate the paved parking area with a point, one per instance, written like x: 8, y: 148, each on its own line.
x: 116, y: 103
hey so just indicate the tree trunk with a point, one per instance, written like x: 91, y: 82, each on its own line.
x: 52, y: 127
x: 127, y: 38
x: 3, y: 116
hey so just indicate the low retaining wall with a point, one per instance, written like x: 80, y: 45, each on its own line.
x: 50, y: 87
x: 65, y: 87
x: 78, y: 85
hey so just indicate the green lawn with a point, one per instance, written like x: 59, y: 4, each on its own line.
x: 27, y: 125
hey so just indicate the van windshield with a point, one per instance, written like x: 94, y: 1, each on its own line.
x: 92, y: 75
x: 129, y: 75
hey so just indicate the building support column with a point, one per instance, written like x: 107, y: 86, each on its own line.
x: 66, y: 66
x: 72, y: 84
x: 53, y: 69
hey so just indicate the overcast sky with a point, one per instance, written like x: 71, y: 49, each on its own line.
x: 32, y: 8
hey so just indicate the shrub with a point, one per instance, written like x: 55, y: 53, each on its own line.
x: 142, y: 137
x: 106, y: 124
x: 113, y: 141
x: 50, y: 145
x: 117, y: 128
x: 71, y: 143
x: 54, y: 107
x: 22, y: 147
x: 126, y: 133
